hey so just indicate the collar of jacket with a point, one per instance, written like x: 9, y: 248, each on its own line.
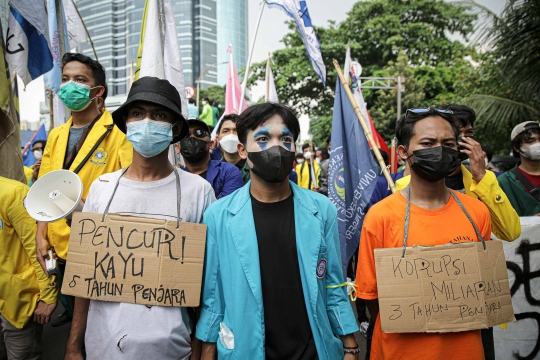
x: 95, y: 133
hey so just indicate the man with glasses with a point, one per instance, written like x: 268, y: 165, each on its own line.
x: 224, y: 178
x: 522, y: 182
x: 478, y: 183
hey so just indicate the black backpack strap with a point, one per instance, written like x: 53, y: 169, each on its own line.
x: 527, y: 184
x: 109, y: 128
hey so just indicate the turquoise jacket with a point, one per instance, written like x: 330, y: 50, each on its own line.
x: 232, y: 291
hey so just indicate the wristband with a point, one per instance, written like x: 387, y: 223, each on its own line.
x: 351, y: 351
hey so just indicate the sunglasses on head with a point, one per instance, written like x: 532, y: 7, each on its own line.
x: 425, y: 110
x: 198, y: 133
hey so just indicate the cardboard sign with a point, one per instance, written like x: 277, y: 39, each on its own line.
x: 135, y: 260
x: 446, y: 288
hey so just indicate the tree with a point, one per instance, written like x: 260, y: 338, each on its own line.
x: 216, y: 93
x: 508, y: 91
x: 378, y: 30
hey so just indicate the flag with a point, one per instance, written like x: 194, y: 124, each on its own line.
x: 299, y: 12
x: 53, y: 78
x: 271, y: 93
x: 352, y: 72
x: 352, y: 173
x: 74, y: 24
x: 233, y: 93
x: 157, y: 57
x: 233, y: 90
x: 28, y: 155
x: 10, y: 144
x: 27, y: 49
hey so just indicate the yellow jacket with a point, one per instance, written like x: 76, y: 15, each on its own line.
x: 302, y: 170
x: 28, y: 172
x: 114, y: 153
x: 504, y: 219
x: 22, y: 280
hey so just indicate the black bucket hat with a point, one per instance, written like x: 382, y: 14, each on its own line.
x: 155, y: 91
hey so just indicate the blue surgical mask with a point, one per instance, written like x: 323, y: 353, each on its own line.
x: 149, y: 137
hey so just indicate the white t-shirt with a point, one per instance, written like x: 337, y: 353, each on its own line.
x: 132, y: 331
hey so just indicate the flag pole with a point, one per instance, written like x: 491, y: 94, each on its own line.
x: 313, y: 177
x: 267, y: 98
x: 246, y: 74
x: 393, y: 156
x: 86, y: 29
x: 368, y: 134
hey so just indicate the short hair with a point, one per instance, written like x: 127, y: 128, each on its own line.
x: 464, y: 115
x: 489, y: 151
x: 518, y: 140
x: 230, y: 117
x: 191, y: 100
x: 257, y: 114
x: 205, y: 98
x: 305, y: 146
x: 324, y: 153
x: 299, y: 156
x: 405, y: 125
x: 98, y: 71
x: 42, y: 142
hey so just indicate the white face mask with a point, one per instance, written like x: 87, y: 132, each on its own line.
x: 531, y: 152
x: 204, y: 102
x: 317, y: 160
x: 486, y: 162
x: 38, y: 154
x: 307, y: 155
x: 299, y: 161
x: 229, y: 143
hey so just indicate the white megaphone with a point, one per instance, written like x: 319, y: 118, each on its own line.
x: 55, y: 196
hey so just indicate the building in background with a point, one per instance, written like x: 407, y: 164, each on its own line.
x: 114, y: 26
x: 232, y: 21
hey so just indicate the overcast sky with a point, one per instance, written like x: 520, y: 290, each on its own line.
x: 271, y: 31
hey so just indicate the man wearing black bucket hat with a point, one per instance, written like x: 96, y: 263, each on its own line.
x: 152, y: 119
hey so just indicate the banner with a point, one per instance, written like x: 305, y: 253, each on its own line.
x: 521, y: 339
x: 352, y: 173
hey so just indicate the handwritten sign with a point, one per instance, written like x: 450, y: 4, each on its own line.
x: 447, y: 288
x: 521, y: 339
x: 135, y: 260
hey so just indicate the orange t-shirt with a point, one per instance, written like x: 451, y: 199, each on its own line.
x: 383, y: 228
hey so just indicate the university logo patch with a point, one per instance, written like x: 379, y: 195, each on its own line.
x: 100, y: 157
x: 321, y: 268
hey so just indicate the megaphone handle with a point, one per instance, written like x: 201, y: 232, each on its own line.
x: 178, y: 196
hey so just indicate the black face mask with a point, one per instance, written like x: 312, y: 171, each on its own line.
x: 272, y: 165
x: 193, y: 149
x: 436, y: 163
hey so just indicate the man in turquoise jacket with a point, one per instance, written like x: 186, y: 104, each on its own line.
x: 273, y: 286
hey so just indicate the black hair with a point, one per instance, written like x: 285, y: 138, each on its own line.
x: 464, y: 115
x: 489, y: 151
x: 324, y: 153
x: 42, y: 142
x: 207, y: 99
x: 305, y: 146
x: 98, y: 71
x: 384, y: 155
x: 525, y: 135
x: 230, y: 117
x: 299, y: 156
x: 191, y: 100
x: 329, y: 139
x: 405, y: 124
x: 257, y: 114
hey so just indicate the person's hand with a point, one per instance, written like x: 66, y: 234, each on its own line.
x: 351, y: 356
x: 537, y: 214
x: 476, y: 157
x: 35, y: 174
x: 43, y: 312
x: 73, y: 354
x: 42, y: 251
x: 316, y: 189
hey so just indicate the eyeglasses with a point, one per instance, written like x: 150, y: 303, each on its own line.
x: 198, y: 133
x: 425, y: 110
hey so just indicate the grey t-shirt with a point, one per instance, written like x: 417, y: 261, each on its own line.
x: 131, y: 331
x: 74, y: 136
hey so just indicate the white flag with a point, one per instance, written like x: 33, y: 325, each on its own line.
x: 162, y: 59
x: 271, y: 93
x: 74, y: 24
x: 299, y: 12
x: 352, y: 73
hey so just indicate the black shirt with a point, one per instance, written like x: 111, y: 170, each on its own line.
x: 203, y: 174
x: 287, y: 331
x: 455, y: 182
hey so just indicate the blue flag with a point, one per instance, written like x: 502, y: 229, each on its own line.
x: 352, y: 173
x: 53, y: 78
x: 28, y: 157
